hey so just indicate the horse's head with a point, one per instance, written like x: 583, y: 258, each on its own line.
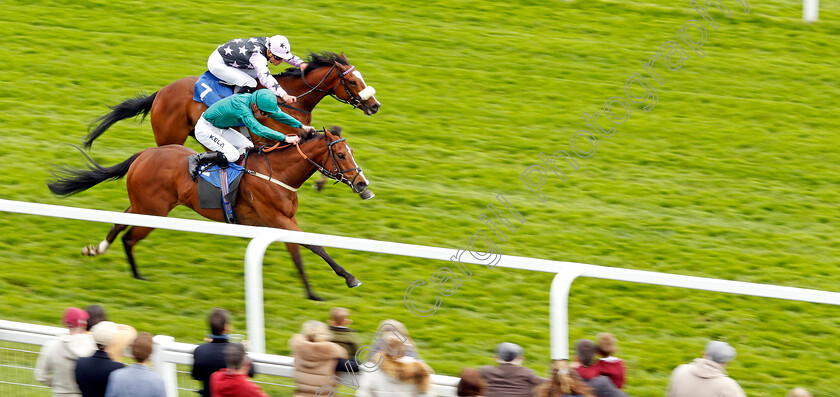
x: 341, y: 166
x: 353, y: 88
x: 330, y: 74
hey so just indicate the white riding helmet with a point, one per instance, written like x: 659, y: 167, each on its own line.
x: 280, y: 47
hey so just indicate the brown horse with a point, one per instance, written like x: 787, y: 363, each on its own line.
x: 174, y: 113
x: 157, y: 181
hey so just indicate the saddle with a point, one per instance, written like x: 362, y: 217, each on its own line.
x: 218, y: 188
x: 209, y: 89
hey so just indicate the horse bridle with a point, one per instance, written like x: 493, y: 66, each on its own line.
x: 357, y: 99
x: 337, y: 174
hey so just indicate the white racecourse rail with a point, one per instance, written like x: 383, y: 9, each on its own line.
x: 566, y: 272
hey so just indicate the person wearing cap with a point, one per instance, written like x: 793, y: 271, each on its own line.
x: 56, y: 364
x: 214, y: 127
x: 510, y: 378
x: 92, y: 372
x: 706, y: 376
x: 241, y: 62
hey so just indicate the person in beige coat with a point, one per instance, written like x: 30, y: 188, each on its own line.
x: 398, y: 376
x: 706, y: 377
x: 315, y: 358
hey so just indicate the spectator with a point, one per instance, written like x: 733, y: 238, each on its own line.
x: 563, y: 383
x: 610, y: 365
x: 122, y: 338
x: 590, y: 371
x: 92, y: 372
x: 345, y: 337
x: 471, y: 384
x: 509, y: 378
x: 706, y: 376
x: 56, y: 364
x: 210, y: 357
x: 315, y: 358
x: 398, y: 376
x: 233, y: 380
x: 798, y: 392
x: 137, y: 380
x: 385, y: 326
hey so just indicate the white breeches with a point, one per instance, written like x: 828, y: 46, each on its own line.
x: 225, y: 140
x: 231, y: 75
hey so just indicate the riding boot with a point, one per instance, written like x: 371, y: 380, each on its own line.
x: 241, y: 89
x: 196, y: 161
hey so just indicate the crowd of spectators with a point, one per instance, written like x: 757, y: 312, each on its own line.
x: 87, y: 362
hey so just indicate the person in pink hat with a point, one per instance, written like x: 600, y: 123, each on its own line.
x: 56, y: 364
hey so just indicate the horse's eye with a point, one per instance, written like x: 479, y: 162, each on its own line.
x: 341, y: 156
x: 353, y: 83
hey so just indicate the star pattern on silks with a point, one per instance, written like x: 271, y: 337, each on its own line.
x: 243, y: 50
x: 253, y: 40
x: 234, y: 64
x: 228, y: 50
x: 237, y: 41
x: 282, y: 45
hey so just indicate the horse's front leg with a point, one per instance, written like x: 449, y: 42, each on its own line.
x: 291, y: 224
x: 294, y: 251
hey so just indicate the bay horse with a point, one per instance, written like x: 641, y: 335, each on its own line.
x: 174, y: 112
x: 157, y: 180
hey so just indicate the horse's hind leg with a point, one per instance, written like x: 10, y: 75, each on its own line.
x: 294, y: 251
x: 130, y: 239
x: 94, y: 250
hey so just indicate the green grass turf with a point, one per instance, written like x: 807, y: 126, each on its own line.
x: 732, y: 175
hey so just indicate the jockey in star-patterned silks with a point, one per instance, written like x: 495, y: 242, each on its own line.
x: 241, y: 62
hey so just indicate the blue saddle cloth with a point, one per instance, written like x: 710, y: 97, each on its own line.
x: 209, y: 90
x: 218, y: 187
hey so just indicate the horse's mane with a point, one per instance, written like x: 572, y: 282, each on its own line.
x: 335, y: 130
x: 315, y: 60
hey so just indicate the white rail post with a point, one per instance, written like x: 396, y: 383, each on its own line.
x: 166, y: 369
x: 254, y: 311
x: 559, y: 312
x: 810, y: 10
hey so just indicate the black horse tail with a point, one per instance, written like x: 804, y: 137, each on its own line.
x: 130, y: 108
x: 71, y: 181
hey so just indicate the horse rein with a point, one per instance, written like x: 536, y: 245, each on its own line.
x: 337, y: 174
x: 357, y: 99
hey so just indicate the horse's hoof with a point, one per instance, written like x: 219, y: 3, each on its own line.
x: 367, y: 195
x: 319, y: 185
x: 316, y: 298
x: 139, y: 277
x: 90, y: 250
x: 353, y: 282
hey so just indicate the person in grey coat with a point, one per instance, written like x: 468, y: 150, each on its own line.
x: 137, y: 380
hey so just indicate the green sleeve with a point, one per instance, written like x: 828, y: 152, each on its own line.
x: 286, y: 119
x: 262, y: 130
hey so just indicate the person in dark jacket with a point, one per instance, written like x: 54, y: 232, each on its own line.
x: 510, y: 378
x: 345, y: 337
x: 92, y: 372
x: 210, y: 357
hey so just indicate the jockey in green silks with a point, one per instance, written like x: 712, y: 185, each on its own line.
x: 215, y: 129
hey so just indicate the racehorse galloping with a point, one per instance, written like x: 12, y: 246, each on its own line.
x: 157, y: 181
x: 174, y: 113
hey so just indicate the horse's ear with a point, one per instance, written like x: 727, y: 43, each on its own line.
x: 344, y: 56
